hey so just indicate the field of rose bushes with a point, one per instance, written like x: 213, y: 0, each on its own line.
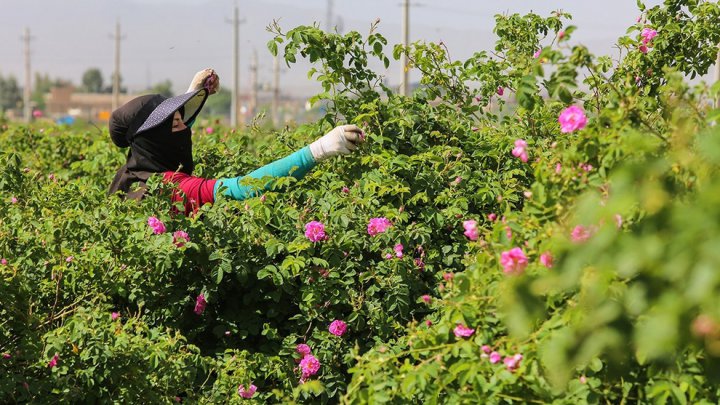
x: 534, y: 225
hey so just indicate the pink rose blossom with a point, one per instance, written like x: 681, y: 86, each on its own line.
x: 537, y: 53
x: 583, y: 379
x: 345, y: 190
x: 309, y: 366
x: 448, y: 276
x: 426, y: 298
x: 428, y: 323
x: 492, y: 216
x: 581, y: 234
x: 512, y: 362
x: 495, y: 357
x: 3, y: 261
x: 69, y: 259
x: 647, y: 35
x: 6, y: 356
x: 419, y: 263
x: 246, y: 393
x: 13, y: 200
x: 303, y: 349
x: 463, y: 331
x: 513, y: 261
x: 561, y: 34
x: 54, y: 361
x: 520, y: 150
x: 180, y: 238
x: 398, y: 250
x: 471, y: 231
x: 486, y: 349
x: 500, y: 91
x: 388, y: 256
x: 572, y: 119
x: 115, y: 315
x: 315, y: 231
x: 558, y: 168
x: 200, y: 304
x: 209, y: 130
x: 378, y: 225
x: 643, y: 48
x: 157, y: 226
x: 338, y: 327
x: 546, y: 259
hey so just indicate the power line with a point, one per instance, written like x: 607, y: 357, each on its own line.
x: 116, y: 74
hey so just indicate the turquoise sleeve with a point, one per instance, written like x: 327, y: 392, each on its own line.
x: 296, y: 165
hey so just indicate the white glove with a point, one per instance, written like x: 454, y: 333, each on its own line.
x: 206, y: 78
x: 340, y: 141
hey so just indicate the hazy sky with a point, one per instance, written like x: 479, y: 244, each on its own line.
x: 172, y: 39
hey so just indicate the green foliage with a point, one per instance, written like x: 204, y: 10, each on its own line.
x: 629, y: 315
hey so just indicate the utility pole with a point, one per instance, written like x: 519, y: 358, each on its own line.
x: 26, y: 91
x: 276, y: 91
x: 717, y: 76
x: 116, y: 75
x: 329, y: 17
x: 405, y: 40
x: 235, y: 107
x: 253, y: 83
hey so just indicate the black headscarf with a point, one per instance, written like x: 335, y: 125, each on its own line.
x: 154, y: 150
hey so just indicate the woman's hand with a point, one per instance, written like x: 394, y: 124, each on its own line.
x: 206, y: 78
x: 340, y: 141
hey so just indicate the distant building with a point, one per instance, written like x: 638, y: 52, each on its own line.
x: 93, y: 107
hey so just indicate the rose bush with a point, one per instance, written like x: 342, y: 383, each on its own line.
x: 291, y: 296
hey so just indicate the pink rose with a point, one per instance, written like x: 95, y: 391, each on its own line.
x: 337, y: 327
x: 378, y: 225
x: 495, y: 357
x: 246, y: 393
x: 512, y: 362
x: 303, y: 349
x: 315, y: 231
x: 3, y: 261
x: 558, y: 168
x: 463, y: 331
x: 426, y: 298
x: 581, y: 234
x: 398, y: 250
x: 537, y: 53
x: 115, y: 315
x: 200, y: 304
x: 513, y: 261
x: 500, y: 91
x: 309, y: 366
x: 471, y: 231
x: 13, y: 200
x: 520, y: 150
x: 345, y: 190
x: 69, y: 259
x: 180, y: 238
x: 572, y: 119
x: 643, y: 48
x: 157, y: 226
x: 486, y: 349
x: 209, y: 130
x: 54, y: 361
x: 546, y: 259
x: 647, y: 35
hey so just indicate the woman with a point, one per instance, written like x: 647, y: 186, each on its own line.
x: 157, y: 131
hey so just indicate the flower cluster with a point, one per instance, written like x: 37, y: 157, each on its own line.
x: 315, y: 231
x: 378, y: 225
x: 647, y: 35
x: 520, y: 150
x: 511, y: 362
